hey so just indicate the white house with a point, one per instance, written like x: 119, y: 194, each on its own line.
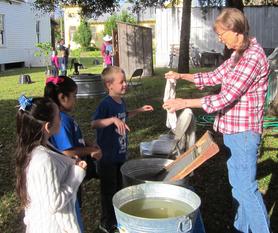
x: 262, y: 22
x: 72, y: 20
x: 20, y: 29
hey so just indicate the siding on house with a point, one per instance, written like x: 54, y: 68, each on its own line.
x: 263, y: 25
x: 20, y: 34
x: 168, y: 24
x: 262, y: 22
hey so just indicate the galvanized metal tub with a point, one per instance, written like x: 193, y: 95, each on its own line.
x: 138, y: 171
x: 89, y: 85
x: 133, y: 224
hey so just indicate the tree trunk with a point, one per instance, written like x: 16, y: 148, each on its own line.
x: 183, y: 66
x: 52, y: 25
x: 235, y: 4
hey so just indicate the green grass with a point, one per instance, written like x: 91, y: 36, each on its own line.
x: 210, y: 180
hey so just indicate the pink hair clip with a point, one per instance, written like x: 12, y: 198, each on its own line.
x: 54, y: 79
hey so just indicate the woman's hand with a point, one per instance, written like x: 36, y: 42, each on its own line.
x: 121, y: 126
x: 96, y: 152
x: 172, y: 75
x: 176, y: 76
x: 146, y: 108
x: 173, y: 105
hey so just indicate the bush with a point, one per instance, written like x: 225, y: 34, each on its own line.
x: 111, y: 23
x: 77, y: 53
x: 92, y: 48
x: 44, y: 51
x: 83, y: 35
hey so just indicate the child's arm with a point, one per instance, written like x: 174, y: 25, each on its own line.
x: 102, y: 123
x: 145, y: 108
x: 94, y: 151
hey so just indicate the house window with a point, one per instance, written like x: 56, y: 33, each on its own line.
x: 38, y: 31
x: 72, y: 30
x: 2, y: 30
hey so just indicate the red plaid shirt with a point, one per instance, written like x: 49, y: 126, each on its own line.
x: 240, y: 103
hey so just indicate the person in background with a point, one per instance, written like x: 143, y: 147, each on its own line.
x: 63, y: 57
x: 240, y: 109
x: 67, y: 52
x: 110, y: 121
x: 107, y: 51
x: 62, y: 62
x: 62, y: 90
x: 46, y: 180
x: 55, y: 63
x: 61, y: 44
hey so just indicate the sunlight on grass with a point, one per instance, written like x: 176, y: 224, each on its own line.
x: 9, y: 209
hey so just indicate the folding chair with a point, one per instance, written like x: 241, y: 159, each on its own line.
x: 135, y: 82
x: 137, y: 74
x: 175, y: 142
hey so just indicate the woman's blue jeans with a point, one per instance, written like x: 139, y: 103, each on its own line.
x: 251, y: 214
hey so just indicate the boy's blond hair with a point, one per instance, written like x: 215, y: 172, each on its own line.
x: 109, y: 72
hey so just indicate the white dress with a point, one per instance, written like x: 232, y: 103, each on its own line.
x: 52, y: 183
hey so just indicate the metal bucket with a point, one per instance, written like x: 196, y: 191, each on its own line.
x: 24, y: 79
x: 132, y: 224
x: 138, y: 171
x: 89, y: 85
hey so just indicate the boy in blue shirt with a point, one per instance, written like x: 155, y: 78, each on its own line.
x: 110, y: 121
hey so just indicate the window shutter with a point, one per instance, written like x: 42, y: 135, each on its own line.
x: 2, y: 22
x: 38, y: 27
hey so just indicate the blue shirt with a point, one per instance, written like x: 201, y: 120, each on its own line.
x: 108, y: 49
x: 69, y: 135
x: 112, y: 144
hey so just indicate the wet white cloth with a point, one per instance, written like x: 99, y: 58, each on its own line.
x: 175, y: 142
x: 170, y: 93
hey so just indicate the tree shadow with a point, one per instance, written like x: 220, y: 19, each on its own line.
x: 211, y: 179
x: 9, y: 202
x: 211, y: 183
x: 265, y: 168
x: 270, y: 168
x: 7, y: 150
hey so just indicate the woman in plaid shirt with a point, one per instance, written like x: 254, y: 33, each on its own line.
x: 240, y: 108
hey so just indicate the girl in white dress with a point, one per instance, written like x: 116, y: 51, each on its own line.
x: 47, y: 181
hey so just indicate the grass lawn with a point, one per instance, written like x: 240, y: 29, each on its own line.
x: 210, y: 181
